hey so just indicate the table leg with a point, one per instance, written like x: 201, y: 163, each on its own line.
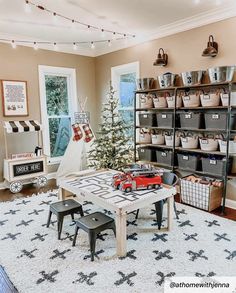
x: 170, y: 202
x: 61, y: 194
x: 121, y: 248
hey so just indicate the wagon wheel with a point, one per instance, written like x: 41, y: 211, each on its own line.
x: 42, y: 181
x: 16, y: 187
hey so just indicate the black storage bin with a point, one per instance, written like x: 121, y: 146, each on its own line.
x: 165, y: 119
x: 191, y: 120
x: 215, y: 166
x: 164, y: 157
x: 188, y: 162
x: 218, y: 120
x: 147, y: 119
x: 146, y: 154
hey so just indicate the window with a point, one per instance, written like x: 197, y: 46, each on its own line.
x: 58, y: 103
x: 124, y: 82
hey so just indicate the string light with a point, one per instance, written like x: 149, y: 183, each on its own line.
x: 58, y: 15
x: 13, y: 44
x: 27, y: 6
x: 35, y: 46
x: 92, y: 45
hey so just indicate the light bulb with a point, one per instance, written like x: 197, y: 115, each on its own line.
x: 55, y: 18
x: 114, y: 36
x: 35, y: 46
x: 92, y: 45
x: 72, y: 23
x: 109, y: 43
x: 27, y: 6
x: 102, y: 33
x: 55, y: 47
x: 13, y: 44
x: 75, y: 47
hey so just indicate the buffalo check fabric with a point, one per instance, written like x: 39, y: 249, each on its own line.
x: 88, y: 133
x: 78, y: 134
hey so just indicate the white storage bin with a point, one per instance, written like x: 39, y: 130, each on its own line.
x: 146, y: 101
x: 160, y: 102
x: 144, y: 136
x: 169, y: 140
x: 223, y: 146
x: 225, y: 99
x: 209, y: 144
x: 189, y: 142
x: 158, y: 138
x: 210, y: 99
x: 191, y: 100
x: 171, y: 102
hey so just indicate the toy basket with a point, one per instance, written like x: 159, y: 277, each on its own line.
x: 158, y: 137
x: 144, y: 136
x: 191, y: 120
x: 210, y: 99
x: 160, y: 100
x: 146, y: 101
x: 191, y: 99
x: 188, y: 162
x: 223, y: 146
x: 165, y: 119
x: 189, y: 142
x: 147, y: 119
x: 170, y: 141
x: 209, y: 144
x: 203, y: 196
x: 171, y: 101
x: 215, y: 166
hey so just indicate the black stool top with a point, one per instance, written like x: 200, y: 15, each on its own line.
x: 65, y: 205
x: 94, y: 220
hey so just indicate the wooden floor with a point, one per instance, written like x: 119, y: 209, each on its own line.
x: 6, y: 195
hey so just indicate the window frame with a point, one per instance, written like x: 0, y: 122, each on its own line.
x: 70, y: 74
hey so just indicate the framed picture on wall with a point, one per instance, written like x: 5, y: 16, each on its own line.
x: 14, y: 98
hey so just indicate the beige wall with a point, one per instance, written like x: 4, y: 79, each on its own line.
x: 184, y: 50
x: 22, y: 64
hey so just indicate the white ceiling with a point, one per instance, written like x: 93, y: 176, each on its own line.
x: 147, y: 19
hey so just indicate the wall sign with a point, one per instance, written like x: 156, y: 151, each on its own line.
x: 14, y: 98
x: 27, y: 168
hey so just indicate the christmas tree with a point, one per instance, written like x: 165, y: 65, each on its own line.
x: 112, y: 148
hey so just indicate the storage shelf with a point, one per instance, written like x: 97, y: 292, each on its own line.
x: 201, y: 151
x: 200, y: 173
x: 155, y: 164
x: 155, y: 127
x: 200, y: 130
x: 154, y: 145
x: 154, y: 109
x: 203, y: 108
x: 155, y: 90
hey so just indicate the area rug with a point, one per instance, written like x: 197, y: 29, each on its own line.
x: 200, y: 244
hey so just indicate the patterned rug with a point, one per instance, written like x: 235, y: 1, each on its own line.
x: 200, y: 244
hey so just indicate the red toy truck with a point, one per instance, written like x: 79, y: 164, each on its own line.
x: 137, y: 180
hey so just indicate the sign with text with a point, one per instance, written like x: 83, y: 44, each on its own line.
x: 28, y: 168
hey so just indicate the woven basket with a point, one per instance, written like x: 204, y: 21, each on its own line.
x: 171, y: 102
x: 158, y: 138
x: 191, y: 100
x: 146, y: 101
x: 169, y: 140
x: 160, y: 102
x: 189, y: 142
x: 210, y: 99
x: 145, y: 136
x: 223, y: 146
x: 209, y: 144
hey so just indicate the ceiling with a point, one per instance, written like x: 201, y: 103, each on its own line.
x: 147, y: 19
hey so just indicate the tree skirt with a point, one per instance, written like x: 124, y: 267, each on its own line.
x: 200, y: 244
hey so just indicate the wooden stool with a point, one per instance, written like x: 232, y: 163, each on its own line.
x: 62, y: 209
x: 93, y: 224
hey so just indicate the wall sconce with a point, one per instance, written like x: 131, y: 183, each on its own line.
x: 212, y: 48
x: 162, y: 58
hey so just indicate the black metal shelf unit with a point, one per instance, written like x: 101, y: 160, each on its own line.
x: 227, y: 131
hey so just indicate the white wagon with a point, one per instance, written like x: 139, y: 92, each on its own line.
x: 20, y: 171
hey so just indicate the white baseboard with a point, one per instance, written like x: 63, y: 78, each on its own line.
x: 49, y: 176
x: 229, y: 203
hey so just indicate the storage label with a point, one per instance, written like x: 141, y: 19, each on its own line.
x: 213, y: 162
x: 163, y: 154
x: 186, y: 158
x: 163, y: 116
x: 215, y: 116
x: 188, y: 116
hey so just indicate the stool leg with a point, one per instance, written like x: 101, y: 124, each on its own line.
x: 159, y: 211
x: 72, y: 216
x: 113, y: 227
x: 81, y: 211
x: 59, y: 226
x: 136, y: 217
x: 92, y: 242
x: 75, y: 236
x: 49, y: 218
x: 175, y: 209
